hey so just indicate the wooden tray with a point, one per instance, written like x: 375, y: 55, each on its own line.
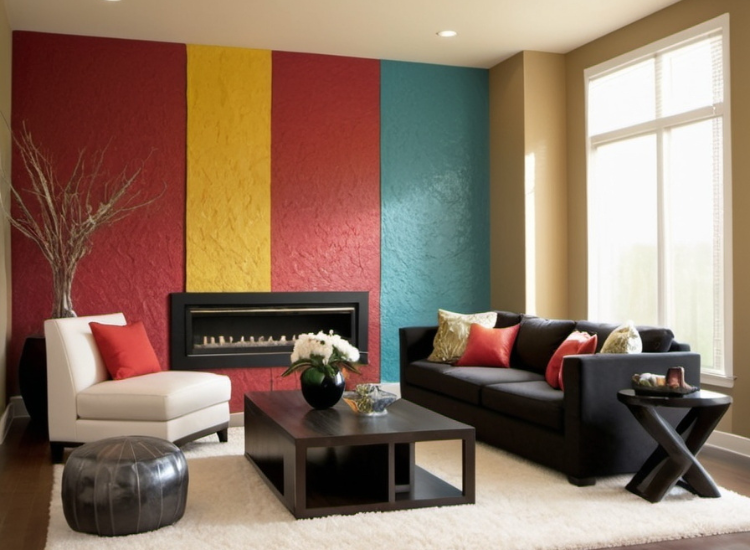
x: 663, y: 391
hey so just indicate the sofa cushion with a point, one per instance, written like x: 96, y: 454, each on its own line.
x: 485, y: 376
x: 537, y: 341
x: 489, y: 347
x: 453, y: 332
x: 654, y: 339
x: 577, y: 343
x: 463, y: 383
x: 160, y: 396
x: 426, y: 374
x: 507, y: 319
x: 533, y: 401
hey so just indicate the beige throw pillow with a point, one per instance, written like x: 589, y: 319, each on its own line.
x: 453, y: 332
x: 624, y: 339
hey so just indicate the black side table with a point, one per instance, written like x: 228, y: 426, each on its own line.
x: 674, y: 460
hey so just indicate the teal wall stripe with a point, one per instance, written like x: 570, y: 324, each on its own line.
x: 434, y: 197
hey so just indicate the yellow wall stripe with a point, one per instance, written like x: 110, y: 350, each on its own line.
x: 228, y: 213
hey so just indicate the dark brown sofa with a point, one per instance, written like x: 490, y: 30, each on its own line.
x: 583, y: 431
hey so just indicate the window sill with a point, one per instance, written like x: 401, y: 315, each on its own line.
x: 721, y: 381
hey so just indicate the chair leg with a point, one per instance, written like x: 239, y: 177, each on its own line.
x: 56, y: 452
x: 223, y: 435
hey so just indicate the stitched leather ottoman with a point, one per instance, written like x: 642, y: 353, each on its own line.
x: 124, y: 485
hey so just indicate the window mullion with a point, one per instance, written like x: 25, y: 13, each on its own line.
x: 664, y: 268
x: 689, y: 117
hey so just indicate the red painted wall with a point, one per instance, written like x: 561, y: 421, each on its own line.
x: 325, y: 175
x: 325, y: 192
x: 81, y: 92
x: 86, y: 92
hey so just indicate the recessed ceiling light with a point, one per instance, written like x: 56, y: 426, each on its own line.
x: 447, y: 34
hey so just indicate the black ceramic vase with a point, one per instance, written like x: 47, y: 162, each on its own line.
x: 320, y: 390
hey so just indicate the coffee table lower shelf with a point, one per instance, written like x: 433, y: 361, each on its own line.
x: 427, y: 490
x: 353, y: 472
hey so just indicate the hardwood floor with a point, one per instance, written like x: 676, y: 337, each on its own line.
x: 25, y: 485
x: 26, y: 482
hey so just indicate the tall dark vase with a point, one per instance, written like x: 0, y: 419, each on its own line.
x: 320, y: 390
x: 32, y: 378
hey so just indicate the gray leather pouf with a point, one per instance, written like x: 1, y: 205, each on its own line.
x: 124, y: 485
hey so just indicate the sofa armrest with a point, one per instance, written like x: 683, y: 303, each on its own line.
x: 415, y: 343
x: 601, y: 434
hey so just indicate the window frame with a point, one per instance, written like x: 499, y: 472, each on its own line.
x: 718, y: 377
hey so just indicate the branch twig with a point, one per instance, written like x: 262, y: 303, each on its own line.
x: 61, y: 218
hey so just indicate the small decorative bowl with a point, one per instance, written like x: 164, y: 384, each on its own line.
x: 671, y: 385
x: 369, y: 400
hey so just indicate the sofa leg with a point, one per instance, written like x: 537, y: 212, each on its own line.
x: 223, y: 435
x: 582, y: 481
x: 56, y: 452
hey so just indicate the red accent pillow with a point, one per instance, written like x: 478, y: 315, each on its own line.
x: 125, y: 349
x: 577, y: 343
x: 488, y: 347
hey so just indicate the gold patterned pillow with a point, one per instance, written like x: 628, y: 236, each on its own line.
x: 453, y: 332
x: 624, y: 339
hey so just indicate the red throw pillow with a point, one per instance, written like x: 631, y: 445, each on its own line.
x: 488, y: 347
x: 125, y: 349
x: 577, y: 343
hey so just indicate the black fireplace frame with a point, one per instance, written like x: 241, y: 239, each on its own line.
x: 182, y: 358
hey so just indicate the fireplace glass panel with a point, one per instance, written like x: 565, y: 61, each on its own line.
x: 264, y: 330
x: 258, y: 329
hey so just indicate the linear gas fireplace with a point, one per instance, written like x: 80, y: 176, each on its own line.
x: 258, y: 329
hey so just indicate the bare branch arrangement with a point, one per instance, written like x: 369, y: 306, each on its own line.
x: 61, y: 217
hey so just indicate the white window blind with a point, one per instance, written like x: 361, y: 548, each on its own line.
x: 659, y: 191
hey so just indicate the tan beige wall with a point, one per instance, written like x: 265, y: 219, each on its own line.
x: 528, y: 184
x: 545, y: 164
x: 5, y: 77
x: 507, y: 256
x: 673, y: 19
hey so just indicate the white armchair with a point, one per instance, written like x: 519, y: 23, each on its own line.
x: 85, y: 405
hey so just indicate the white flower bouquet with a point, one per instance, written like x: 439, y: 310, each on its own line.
x: 326, y: 353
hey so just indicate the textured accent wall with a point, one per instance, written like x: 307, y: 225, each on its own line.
x: 324, y: 217
x: 75, y: 92
x: 229, y: 169
x: 284, y: 172
x: 326, y: 180
x: 434, y: 197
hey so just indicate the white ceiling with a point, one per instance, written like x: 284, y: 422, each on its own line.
x: 405, y: 30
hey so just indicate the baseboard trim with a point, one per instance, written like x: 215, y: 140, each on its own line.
x: 730, y: 442
x: 15, y: 409
x: 236, y: 419
x: 393, y: 387
x: 5, y: 421
x: 19, y: 407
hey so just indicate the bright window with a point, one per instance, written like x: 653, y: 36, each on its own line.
x: 660, y: 191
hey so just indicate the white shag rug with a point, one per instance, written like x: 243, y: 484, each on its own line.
x: 520, y: 505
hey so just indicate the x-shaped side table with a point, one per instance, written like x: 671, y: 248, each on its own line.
x: 674, y: 460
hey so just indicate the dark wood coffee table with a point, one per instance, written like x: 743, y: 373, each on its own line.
x: 675, y: 459
x: 333, y: 461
